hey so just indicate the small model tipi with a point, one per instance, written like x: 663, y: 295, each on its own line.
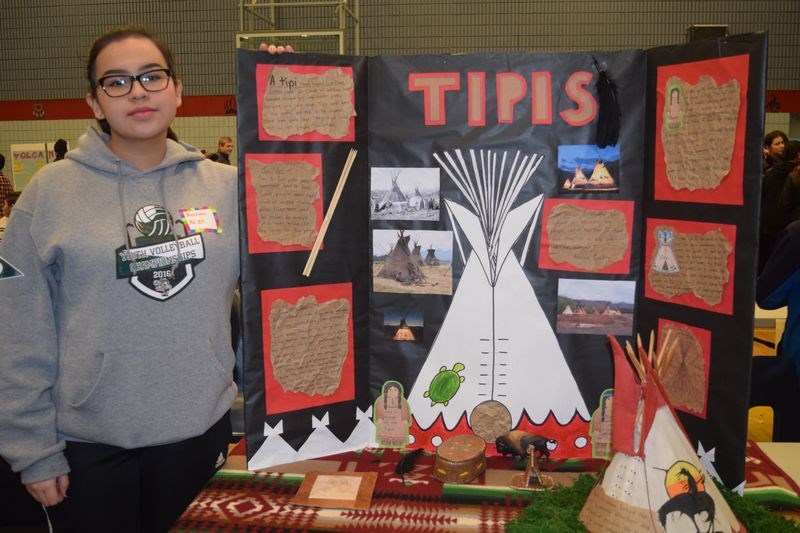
x: 655, y: 481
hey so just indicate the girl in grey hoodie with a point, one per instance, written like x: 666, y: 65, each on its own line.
x: 116, y: 360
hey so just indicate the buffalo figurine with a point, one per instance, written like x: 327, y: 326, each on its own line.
x: 517, y: 443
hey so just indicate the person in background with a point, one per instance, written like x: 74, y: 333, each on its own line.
x: 60, y: 148
x: 5, y: 183
x: 790, y: 195
x: 775, y: 380
x: 115, y: 391
x: 774, y: 145
x: 774, y: 216
x: 5, y: 211
x: 224, y: 149
x: 209, y: 155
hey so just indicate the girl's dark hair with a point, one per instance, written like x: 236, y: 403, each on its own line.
x: 120, y: 34
x: 12, y: 197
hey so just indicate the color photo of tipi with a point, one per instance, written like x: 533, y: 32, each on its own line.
x: 398, y: 265
x: 404, y: 193
x: 577, y: 161
x: 403, y: 325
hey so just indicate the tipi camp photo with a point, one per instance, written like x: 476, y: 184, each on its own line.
x: 412, y: 261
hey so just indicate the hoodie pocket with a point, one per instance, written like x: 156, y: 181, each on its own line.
x: 146, y: 378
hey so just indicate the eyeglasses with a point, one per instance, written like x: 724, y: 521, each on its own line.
x: 121, y: 85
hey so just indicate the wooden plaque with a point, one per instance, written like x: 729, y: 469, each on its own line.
x: 337, y: 490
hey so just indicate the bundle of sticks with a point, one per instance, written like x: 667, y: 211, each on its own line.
x: 659, y: 361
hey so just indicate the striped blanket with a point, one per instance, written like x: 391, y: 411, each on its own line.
x: 236, y: 500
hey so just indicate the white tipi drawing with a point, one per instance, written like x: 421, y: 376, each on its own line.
x: 665, y: 260
x: 495, y: 336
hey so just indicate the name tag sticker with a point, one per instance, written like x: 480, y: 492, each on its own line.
x: 200, y: 219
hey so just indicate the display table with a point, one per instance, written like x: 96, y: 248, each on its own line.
x: 772, y: 473
x: 242, y: 500
x: 785, y: 455
x: 238, y: 500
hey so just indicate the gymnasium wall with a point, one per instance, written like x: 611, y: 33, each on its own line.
x: 44, y: 43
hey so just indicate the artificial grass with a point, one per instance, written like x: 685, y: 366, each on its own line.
x: 554, y: 511
x: 557, y: 511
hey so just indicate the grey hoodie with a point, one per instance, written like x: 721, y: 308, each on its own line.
x: 108, y: 335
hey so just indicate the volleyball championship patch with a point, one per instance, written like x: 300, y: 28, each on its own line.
x: 8, y: 271
x: 158, y: 263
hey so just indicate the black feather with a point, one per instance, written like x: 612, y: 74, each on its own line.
x: 608, y: 113
x: 406, y: 464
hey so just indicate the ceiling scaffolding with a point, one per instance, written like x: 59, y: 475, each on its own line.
x: 320, y: 26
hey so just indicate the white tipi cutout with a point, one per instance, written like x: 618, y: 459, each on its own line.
x: 495, y: 335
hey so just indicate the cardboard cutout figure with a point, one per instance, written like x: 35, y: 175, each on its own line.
x: 392, y: 416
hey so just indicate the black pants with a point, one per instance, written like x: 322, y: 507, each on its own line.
x: 140, y: 490
x: 18, y: 510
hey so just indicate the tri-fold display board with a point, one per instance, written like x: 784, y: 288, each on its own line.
x: 494, y: 227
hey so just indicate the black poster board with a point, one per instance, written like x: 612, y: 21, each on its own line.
x: 534, y: 379
x: 344, y: 270
x: 722, y: 429
x: 432, y: 133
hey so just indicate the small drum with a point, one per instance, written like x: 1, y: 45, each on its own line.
x: 460, y: 459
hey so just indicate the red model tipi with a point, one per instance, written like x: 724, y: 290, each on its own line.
x: 655, y: 481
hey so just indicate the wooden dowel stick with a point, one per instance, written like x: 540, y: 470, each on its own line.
x: 662, y: 348
x: 633, y: 360
x: 331, y: 208
x: 668, y: 358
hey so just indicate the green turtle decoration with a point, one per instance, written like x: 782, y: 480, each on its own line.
x: 445, y: 384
